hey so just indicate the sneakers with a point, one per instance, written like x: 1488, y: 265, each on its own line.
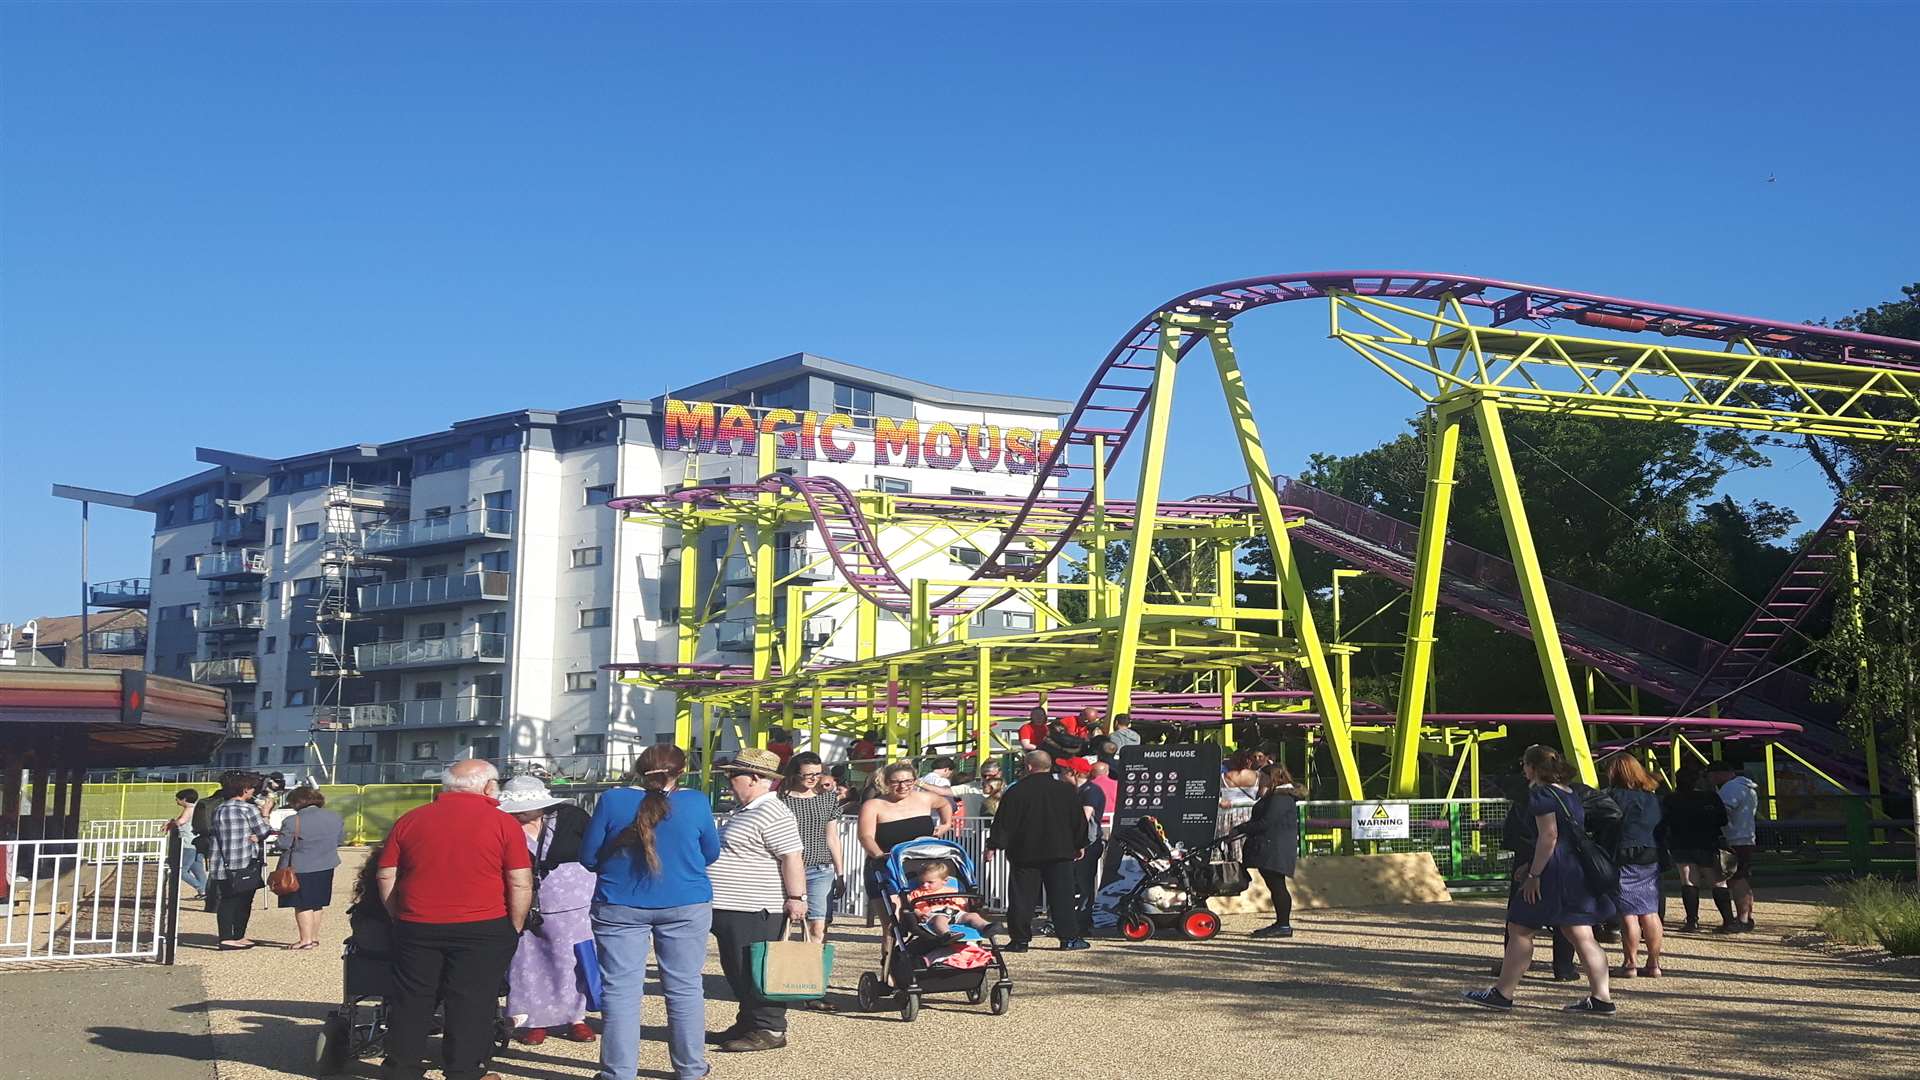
x: 1075, y: 944
x: 1490, y: 998
x: 755, y: 1040
x: 1734, y: 927
x: 1592, y: 1005
x: 1691, y: 926
x: 719, y: 1038
x: 1273, y: 931
x: 1015, y: 946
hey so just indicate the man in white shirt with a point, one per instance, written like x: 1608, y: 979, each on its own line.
x: 1741, y: 797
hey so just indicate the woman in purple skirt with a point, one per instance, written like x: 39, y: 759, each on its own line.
x: 543, y: 987
x: 1638, y: 857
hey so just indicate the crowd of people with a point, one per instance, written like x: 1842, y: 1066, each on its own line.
x: 1588, y: 864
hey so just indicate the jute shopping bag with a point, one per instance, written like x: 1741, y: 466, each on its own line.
x: 786, y: 970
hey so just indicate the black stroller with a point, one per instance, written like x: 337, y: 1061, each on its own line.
x: 913, y: 959
x: 1173, y: 888
x: 358, y: 1028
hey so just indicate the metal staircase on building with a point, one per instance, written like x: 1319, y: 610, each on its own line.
x: 344, y: 566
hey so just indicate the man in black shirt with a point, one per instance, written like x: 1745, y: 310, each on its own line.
x: 1041, y: 829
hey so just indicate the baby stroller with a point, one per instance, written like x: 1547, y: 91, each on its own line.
x: 1174, y: 885
x: 914, y: 961
x: 358, y: 1028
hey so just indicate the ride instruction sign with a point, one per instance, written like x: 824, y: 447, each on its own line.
x: 1381, y: 820
x: 1179, y: 786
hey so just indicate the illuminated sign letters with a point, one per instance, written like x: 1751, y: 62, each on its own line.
x: 706, y: 428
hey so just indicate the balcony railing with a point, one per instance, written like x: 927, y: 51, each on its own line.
x: 432, y: 592
x: 250, y: 525
x: 467, y: 648
x: 367, y: 496
x: 133, y: 592
x: 236, y: 563
x: 435, y: 712
x: 806, y: 564
x: 443, y: 531
x: 229, y: 617
x: 225, y: 672
x: 240, y: 720
x: 118, y: 642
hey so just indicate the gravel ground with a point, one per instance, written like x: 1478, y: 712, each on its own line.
x: 1369, y: 993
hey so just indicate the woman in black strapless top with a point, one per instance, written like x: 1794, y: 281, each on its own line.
x: 901, y: 812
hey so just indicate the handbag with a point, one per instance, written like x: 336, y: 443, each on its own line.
x: 1596, y: 868
x: 535, y: 920
x: 784, y: 970
x: 586, y: 968
x: 284, y: 882
x: 245, y: 880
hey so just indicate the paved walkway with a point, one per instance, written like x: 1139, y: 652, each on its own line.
x: 105, y: 1021
x: 1357, y: 994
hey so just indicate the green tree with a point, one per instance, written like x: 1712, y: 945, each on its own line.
x: 1842, y: 460
x: 1870, y: 659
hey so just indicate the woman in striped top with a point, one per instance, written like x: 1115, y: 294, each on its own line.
x: 759, y: 883
x: 818, y: 816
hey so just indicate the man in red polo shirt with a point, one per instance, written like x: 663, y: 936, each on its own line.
x: 457, y: 879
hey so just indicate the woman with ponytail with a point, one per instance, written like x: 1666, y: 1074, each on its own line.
x: 651, y: 844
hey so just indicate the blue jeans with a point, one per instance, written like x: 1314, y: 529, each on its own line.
x: 193, y: 869
x: 679, y: 935
x: 820, y: 881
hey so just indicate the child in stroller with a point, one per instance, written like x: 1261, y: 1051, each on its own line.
x: 916, y: 960
x: 941, y: 904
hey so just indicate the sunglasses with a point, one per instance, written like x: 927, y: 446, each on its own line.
x: 908, y: 782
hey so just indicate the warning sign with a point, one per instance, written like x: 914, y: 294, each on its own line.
x: 1380, y: 821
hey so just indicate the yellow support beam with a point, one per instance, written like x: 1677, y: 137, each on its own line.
x: 1416, y: 670
x: 1133, y: 589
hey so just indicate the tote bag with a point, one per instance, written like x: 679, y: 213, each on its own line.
x: 785, y: 970
x: 586, y: 965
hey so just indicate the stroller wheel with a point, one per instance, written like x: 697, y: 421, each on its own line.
x: 867, y: 995
x: 330, y: 1046
x: 976, y: 995
x: 910, y: 1008
x: 1136, y: 928
x: 1200, y: 924
x: 1000, y: 999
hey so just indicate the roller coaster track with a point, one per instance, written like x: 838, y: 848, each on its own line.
x: 1115, y: 400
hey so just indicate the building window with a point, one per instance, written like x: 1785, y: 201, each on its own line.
x: 856, y: 401
x: 1020, y: 559
x: 233, y: 761
x: 360, y: 754
x: 589, y: 556
x: 166, y: 566
x: 426, y: 750
x: 191, y: 564
x: 266, y: 754
x: 589, y: 744
x: 503, y: 440
x: 431, y: 630
x: 307, y: 531
x: 293, y: 755
x: 202, y: 506
x: 598, y: 494
x: 296, y: 697
x: 266, y: 699
x: 970, y: 558
x: 313, y: 477
x: 272, y: 644
x: 892, y: 485
x: 435, y: 459
x: 486, y: 746
x: 439, y: 513
x: 595, y: 617
x: 307, y: 586
x: 497, y: 561
x: 1019, y: 620
x: 436, y: 570
x: 967, y: 491
x: 592, y: 434
x: 582, y: 680
x: 169, y: 513
x: 273, y: 590
x: 426, y: 691
x: 305, y: 643
x: 279, y: 536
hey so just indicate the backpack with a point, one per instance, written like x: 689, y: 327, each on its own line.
x: 203, y: 823
x: 1604, y: 818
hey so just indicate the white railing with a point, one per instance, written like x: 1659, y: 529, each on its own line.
x: 994, y: 872
x: 86, y: 900
x: 232, y: 562
x: 480, y: 524
x: 425, y: 652
x: 241, y: 616
x: 422, y: 592
x: 149, y: 831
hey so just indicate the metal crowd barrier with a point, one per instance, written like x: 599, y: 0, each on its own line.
x: 88, y: 899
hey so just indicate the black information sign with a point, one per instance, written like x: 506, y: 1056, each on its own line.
x: 1177, y: 785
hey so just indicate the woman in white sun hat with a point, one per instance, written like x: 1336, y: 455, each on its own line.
x: 543, y: 990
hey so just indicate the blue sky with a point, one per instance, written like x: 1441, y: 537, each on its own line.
x: 277, y: 228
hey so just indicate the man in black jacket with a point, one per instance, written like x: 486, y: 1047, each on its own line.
x: 1041, y: 829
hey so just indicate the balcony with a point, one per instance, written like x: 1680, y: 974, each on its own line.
x: 414, y: 594
x: 133, y: 592
x: 248, y: 526
x: 118, y: 642
x: 434, y: 712
x: 792, y: 564
x: 240, y: 721
x: 368, y: 496
x: 470, y: 648
x: 439, y: 533
x: 222, y: 617
x: 232, y: 565
x: 230, y: 671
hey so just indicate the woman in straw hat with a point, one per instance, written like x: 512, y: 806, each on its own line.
x: 759, y: 886
x: 543, y: 991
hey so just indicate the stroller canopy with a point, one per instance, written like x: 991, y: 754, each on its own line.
x: 896, y: 880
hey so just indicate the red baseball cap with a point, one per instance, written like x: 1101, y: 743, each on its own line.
x: 1077, y: 765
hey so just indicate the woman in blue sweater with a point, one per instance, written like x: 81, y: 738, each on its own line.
x: 651, y: 846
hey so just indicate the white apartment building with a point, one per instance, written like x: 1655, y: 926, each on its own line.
x: 377, y: 610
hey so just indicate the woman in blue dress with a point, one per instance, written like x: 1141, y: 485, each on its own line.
x: 1550, y: 890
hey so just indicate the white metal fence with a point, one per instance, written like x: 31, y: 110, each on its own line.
x: 993, y: 872
x: 150, y: 832
x: 88, y: 899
